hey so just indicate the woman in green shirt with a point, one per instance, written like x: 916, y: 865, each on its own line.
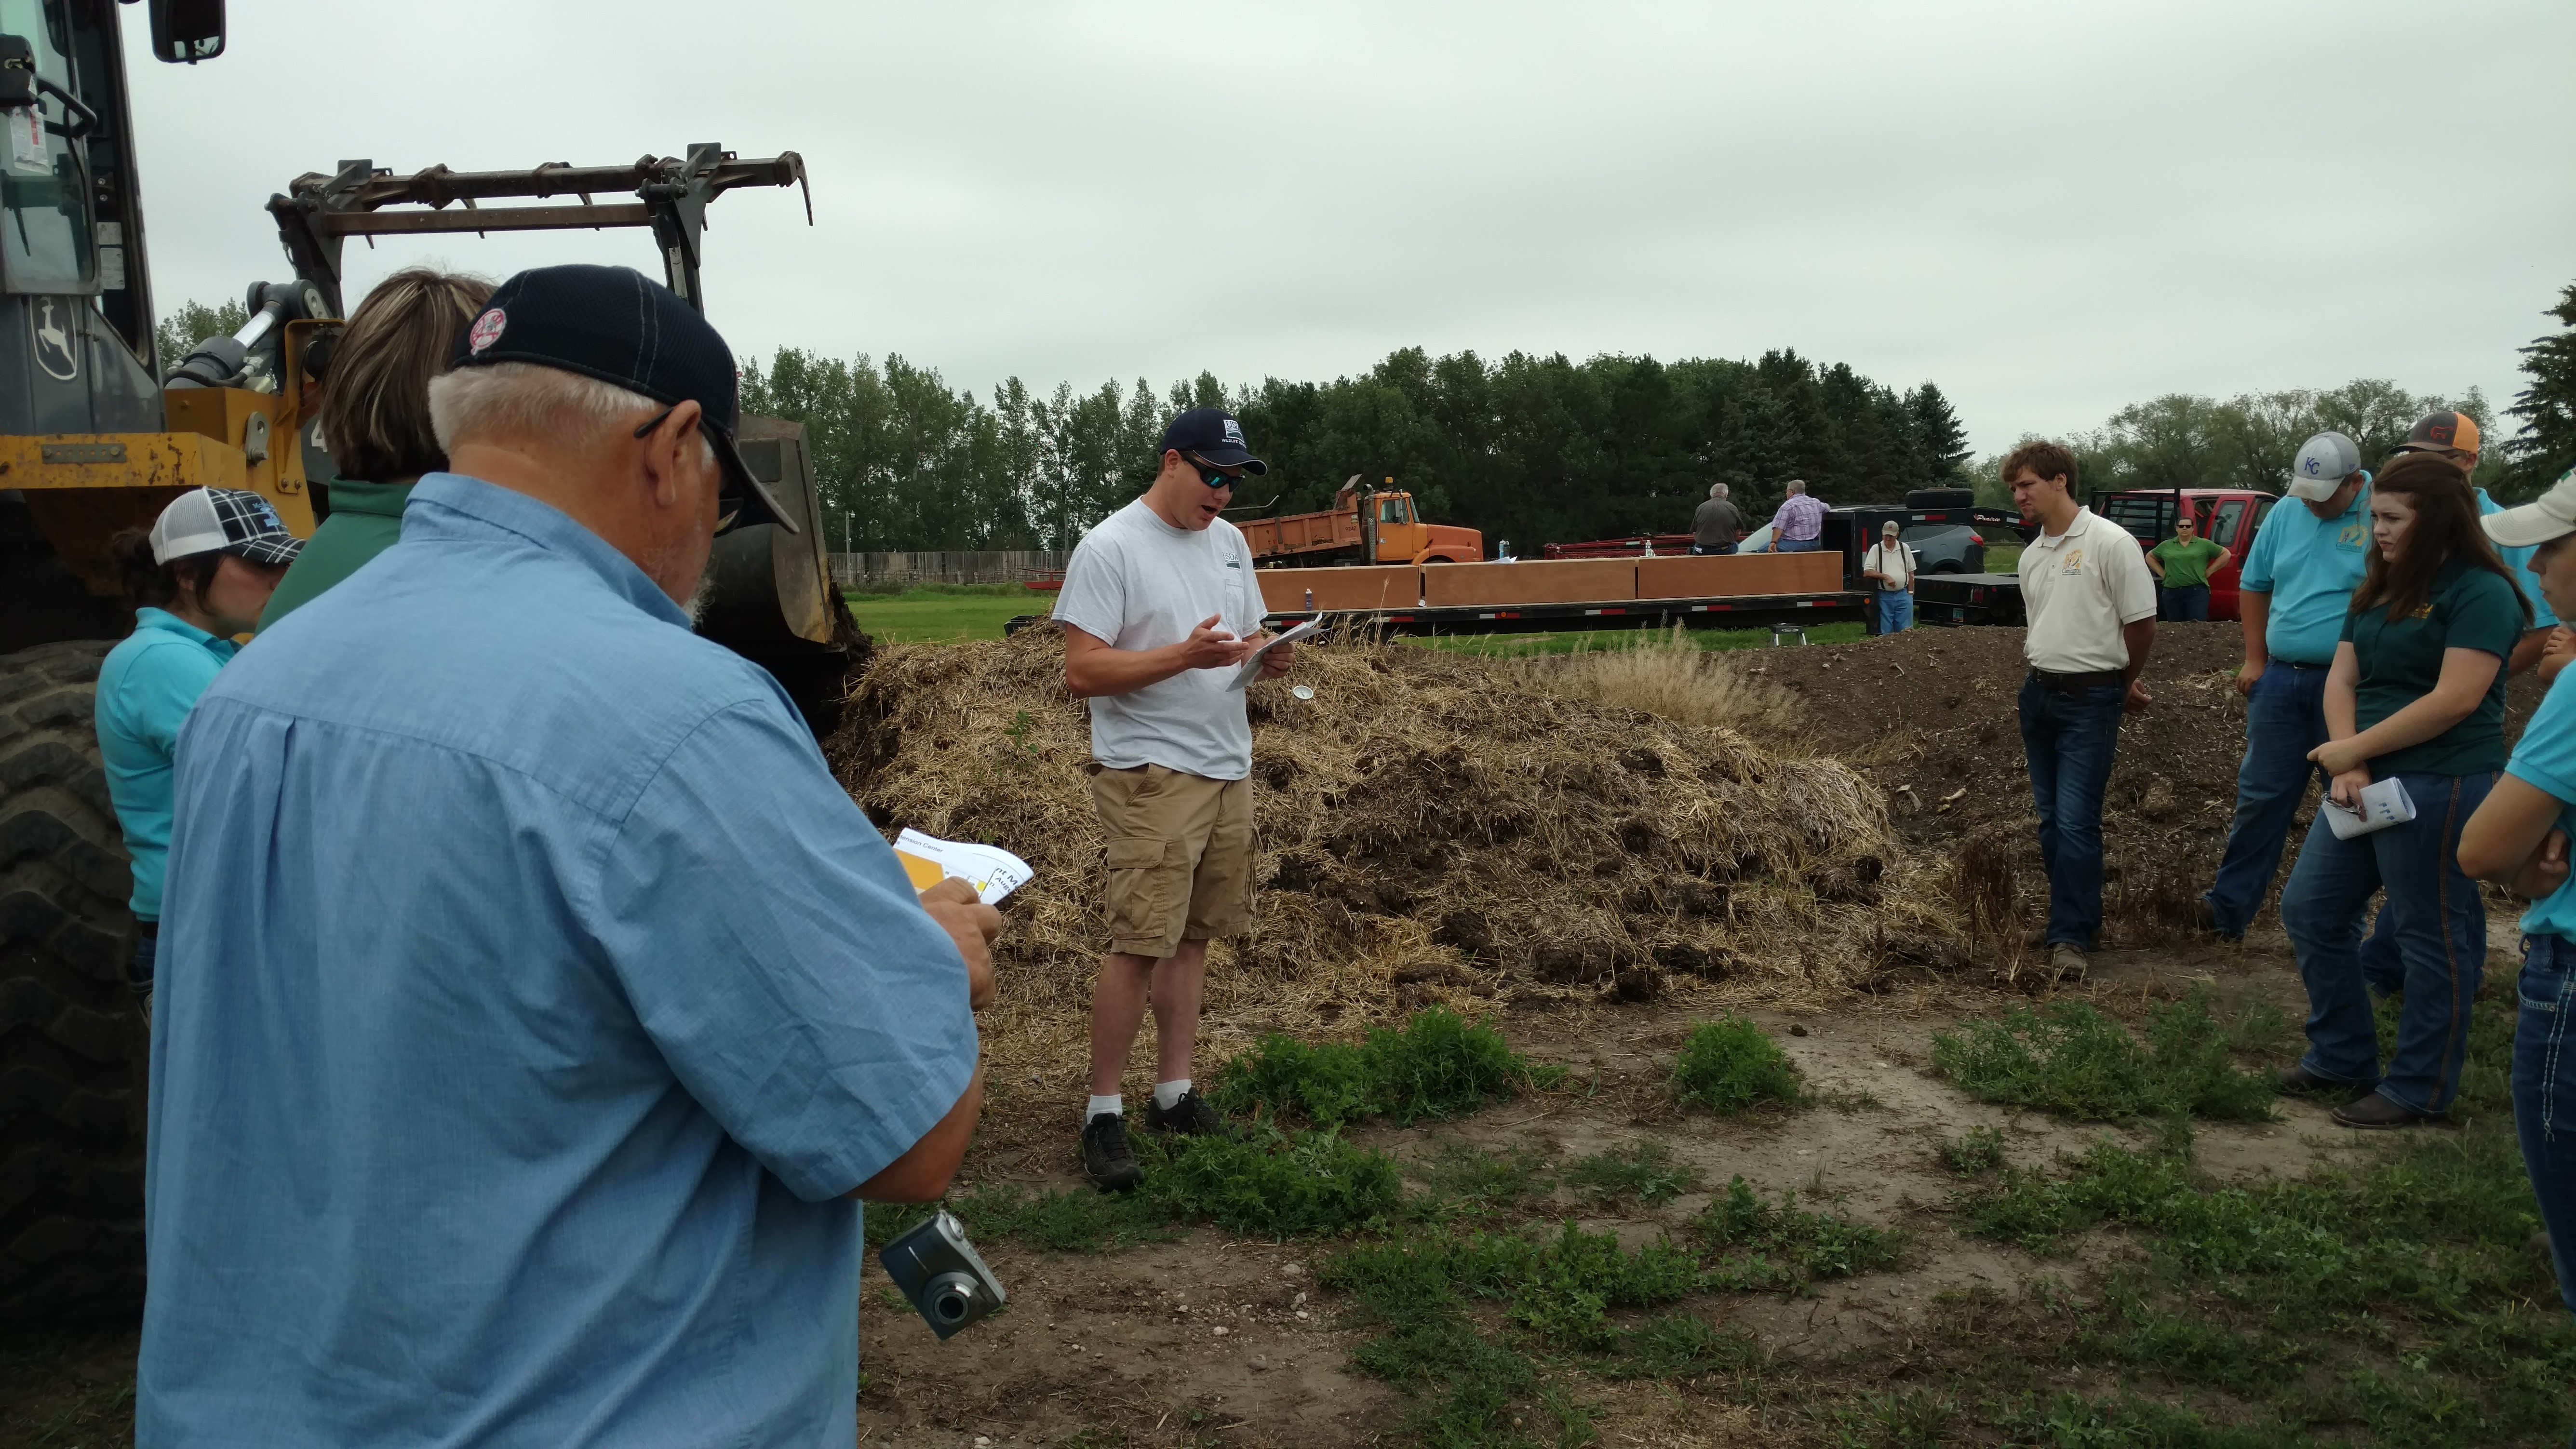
x: 375, y: 422
x: 2416, y: 693
x: 2182, y: 566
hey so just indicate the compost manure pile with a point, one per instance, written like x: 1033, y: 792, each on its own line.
x: 1431, y: 828
x: 1929, y: 716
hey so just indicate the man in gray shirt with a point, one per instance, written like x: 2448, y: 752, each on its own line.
x: 1159, y: 608
x: 1716, y: 526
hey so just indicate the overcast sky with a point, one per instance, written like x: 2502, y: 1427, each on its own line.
x: 2049, y: 209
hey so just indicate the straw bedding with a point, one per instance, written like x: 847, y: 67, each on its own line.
x: 1432, y: 828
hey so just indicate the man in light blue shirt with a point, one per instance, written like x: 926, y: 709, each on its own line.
x: 2295, y: 589
x: 535, y: 1002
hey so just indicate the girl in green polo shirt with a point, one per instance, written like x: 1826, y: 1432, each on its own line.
x: 375, y: 422
x: 2416, y: 693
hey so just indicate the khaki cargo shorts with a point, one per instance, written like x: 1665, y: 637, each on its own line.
x: 1180, y: 857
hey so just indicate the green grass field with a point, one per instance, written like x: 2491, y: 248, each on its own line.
x: 954, y: 613
x: 945, y: 613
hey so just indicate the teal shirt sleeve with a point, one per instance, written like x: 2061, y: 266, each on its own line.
x: 2257, y: 573
x: 2485, y: 614
x: 160, y: 688
x: 2545, y: 759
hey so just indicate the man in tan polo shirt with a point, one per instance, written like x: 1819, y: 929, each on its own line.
x: 1160, y: 608
x: 2091, y: 604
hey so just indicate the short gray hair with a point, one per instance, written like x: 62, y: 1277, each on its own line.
x: 1797, y: 485
x: 525, y: 400
x: 1717, y: 490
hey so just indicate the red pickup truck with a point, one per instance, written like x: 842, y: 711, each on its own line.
x: 2227, y: 516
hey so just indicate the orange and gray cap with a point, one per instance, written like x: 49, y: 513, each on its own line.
x: 2442, y: 432
x: 2551, y: 515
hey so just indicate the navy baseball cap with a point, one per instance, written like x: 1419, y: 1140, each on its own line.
x: 621, y: 327
x: 1212, y: 434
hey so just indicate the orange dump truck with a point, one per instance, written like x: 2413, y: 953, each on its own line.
x: 1730, y: 591
x: 1376, y: 527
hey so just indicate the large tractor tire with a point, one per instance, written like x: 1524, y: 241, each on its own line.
x: 73, y: 1049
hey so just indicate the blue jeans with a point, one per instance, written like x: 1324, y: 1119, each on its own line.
x: 1895, y: 610
x: 2187, y: 604
x: 2544, y: 1094
x: 2285, y: 717
x: 2438, y: 921
x: 2069, y: 738
x: 1798, y: 545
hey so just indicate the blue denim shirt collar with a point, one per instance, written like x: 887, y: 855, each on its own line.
x: 456, y: 506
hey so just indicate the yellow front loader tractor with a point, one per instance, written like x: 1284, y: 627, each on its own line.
x: 97, y: 433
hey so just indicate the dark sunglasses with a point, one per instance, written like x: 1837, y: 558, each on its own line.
x: 1209, y: 473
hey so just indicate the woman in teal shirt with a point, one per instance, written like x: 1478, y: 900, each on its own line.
x: 375, y: 421
x: 2415, y: 693
x: 2518, y: 839
x: 200, y: 576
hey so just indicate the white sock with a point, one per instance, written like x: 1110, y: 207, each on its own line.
x: 1110, y: 1104
x: 1167, y: 1095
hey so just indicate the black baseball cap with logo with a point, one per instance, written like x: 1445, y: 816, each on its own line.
x: 619, y: 326
x: 1213, y: 436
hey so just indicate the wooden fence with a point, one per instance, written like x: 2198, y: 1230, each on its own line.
x: 878, y: 572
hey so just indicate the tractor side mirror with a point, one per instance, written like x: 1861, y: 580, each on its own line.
x: 17, y: 72
x: 187, y: 31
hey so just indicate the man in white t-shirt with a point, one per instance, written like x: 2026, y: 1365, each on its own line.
x: 1160, y: 608
x: 1890, y: 566
x: 2091, y: 605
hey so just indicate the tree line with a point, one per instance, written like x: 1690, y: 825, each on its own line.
x: 1528, y: 448
x: 1533, y: 449
x: 2184, y: 440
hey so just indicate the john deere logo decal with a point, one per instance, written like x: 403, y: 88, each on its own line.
x: 53, y: 343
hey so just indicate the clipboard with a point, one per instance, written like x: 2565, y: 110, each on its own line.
x: 1251, y: 669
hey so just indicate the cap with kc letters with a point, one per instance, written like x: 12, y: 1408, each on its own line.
x: 2324, y: 462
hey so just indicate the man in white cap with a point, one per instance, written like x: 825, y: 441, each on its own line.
x: 2296, y: 586
x: 1889, y: 566
x: 2518, y: 839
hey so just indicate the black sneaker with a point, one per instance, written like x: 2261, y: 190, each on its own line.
x: 2298, y: 1081
x: 1191, y: 1116
x: 1107, y: 1158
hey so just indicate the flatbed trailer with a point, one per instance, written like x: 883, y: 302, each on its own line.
x: 1733, y: 612
x: 1968, y: 599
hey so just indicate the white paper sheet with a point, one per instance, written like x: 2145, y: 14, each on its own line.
x: 991, y: 870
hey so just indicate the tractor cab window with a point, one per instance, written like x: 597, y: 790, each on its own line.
x: 44, y: 211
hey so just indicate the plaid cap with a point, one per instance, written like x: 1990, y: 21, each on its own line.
x: 225, y: 520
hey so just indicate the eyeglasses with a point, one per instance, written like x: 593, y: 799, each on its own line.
x: 1209, y: 473
x: 728, y: 494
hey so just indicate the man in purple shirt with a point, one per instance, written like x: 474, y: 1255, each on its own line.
x: 1799, y: 526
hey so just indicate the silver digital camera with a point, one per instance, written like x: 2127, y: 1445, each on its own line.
x: 942, y: 1274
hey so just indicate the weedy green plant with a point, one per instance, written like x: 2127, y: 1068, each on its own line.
x: 1681, y: 1345
x: 1643, y: 1172
x: 1463, y: 1181
x: 1730, y: 1064
x: 1270, y: 1183
x: 1783, y: 1247
x: 1974, y: 1153
x: 2074, y: 1061
x: 1437, y: 1065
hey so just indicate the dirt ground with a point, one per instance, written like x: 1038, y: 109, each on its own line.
x: 1202, y: 1340
x: 1210, y: 1339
